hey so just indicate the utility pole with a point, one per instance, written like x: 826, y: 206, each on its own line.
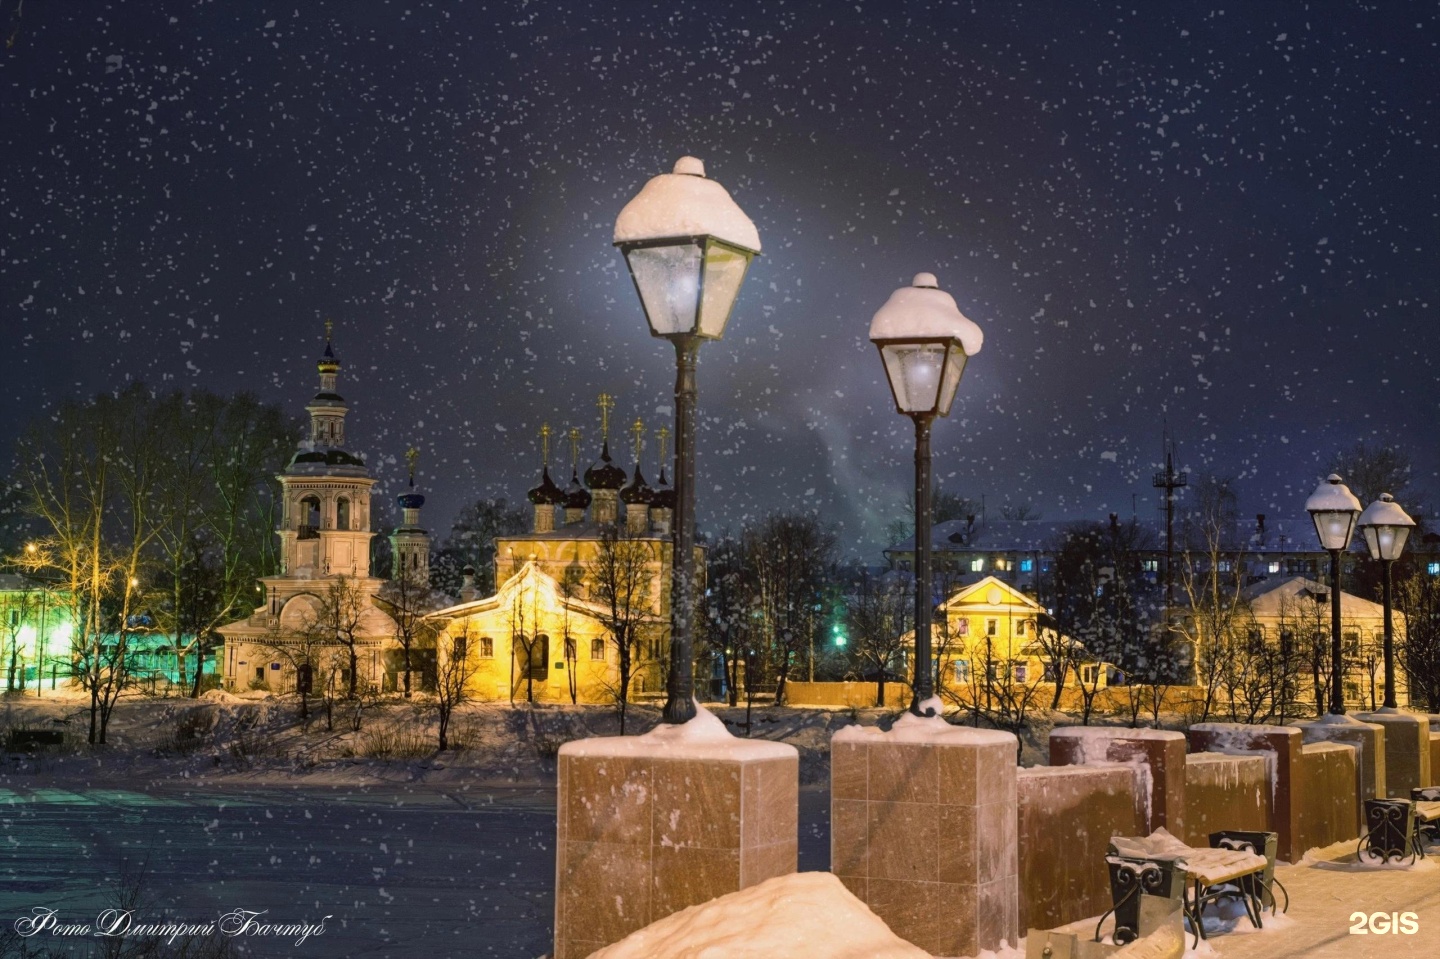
x: 1170, y: 481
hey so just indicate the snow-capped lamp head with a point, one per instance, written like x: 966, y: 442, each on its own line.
x: 1385, y: 527
x: 688, y: 246
x: 924, y: 342
x: 1334, y: 510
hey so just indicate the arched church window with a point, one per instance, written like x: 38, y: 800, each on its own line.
x: 342, y: 513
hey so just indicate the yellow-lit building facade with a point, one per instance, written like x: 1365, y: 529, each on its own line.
x: 547, y: 633
x: 988, y: 635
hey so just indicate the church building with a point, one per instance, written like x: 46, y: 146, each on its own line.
x: 320, y: 607
x: 592, y: 574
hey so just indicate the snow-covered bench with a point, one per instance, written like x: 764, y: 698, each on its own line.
x: 1151, y: 864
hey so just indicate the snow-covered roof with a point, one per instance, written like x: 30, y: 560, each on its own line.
x: 1271, y: 597
x: 925, y: 310
x: 685, y: 203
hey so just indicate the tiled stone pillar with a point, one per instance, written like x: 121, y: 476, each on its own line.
x: 1160, y: 751
x: 648, y: 825
x: 1407, y: 751
x: 923, y: 831
x: 1281, y: 746
x: 1369, y: 742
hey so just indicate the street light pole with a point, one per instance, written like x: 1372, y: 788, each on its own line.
x: 924, y: 342
x: 1386, y: 527
x: 1337, y: 653
x: 1334, y: 510
x: 688, y: 247
x: 924, y: 679
x: 680, y: 683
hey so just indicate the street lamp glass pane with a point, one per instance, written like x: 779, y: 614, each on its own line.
x: 950, y: 382
x: 1386, y: 542
x: 1334, y: 527
x: 915, y: 374
x: 668, y: 278
x: 724, y: 272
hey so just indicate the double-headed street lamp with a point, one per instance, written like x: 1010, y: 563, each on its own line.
x: 1334, y: 509
x: 688, y: 247
x: 1385, y: 527
x: 924, y: 342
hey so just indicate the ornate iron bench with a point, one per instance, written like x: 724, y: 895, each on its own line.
x: 1427, y: 822
x: 1258, y: 886
x: 1132, y: 879
x: 1212, y: 874
x: 1393, y: 829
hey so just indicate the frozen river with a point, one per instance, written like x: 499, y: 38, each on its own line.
x: 400, y: 871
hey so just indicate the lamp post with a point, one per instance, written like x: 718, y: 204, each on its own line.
x: 1334, y: 510
x: 1385, y: 527
x: 924, y: 342
x: 688, y: 247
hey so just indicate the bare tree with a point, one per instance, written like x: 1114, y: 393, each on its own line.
x: 20, y: 609
x: 1212, y: 578
x: 619, y: 579
x: 336, y: 618
x: 408, y: 599
x: 93, y: 476
x: 455, y: 665
x: 792, y: 558
x: 878, y: 614
x: 1418, y: 648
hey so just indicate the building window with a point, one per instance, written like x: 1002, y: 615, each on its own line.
x: 1224, y: 566
x: 1020, y: 628
x: 1002, y: 565
x: 597, y: 649
x: 487, y: 647
x: 342, y: 513
x: 1089, y: 674
x: 1150, y: 565
x: 1433, y: 569
x: 992, y: 627
x: 1352, y: 642
x: 569, y: 647
x: 993, y: 671
x: 962, y: 671
x: 1022, y: 673
x: 977, y: 565
x: 1027, y: 565
x: 1273, y: 566
x: 962, y: 627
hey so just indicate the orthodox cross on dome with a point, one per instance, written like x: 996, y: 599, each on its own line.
x: 606, y: 402
x: 544, y: 444
x: 663, y: 435
x: 574, y: 448
x: 637, y: 435
x: 329, y: 329
x: 413, y: 456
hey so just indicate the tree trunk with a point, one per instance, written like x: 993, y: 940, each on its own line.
x: 407, y: 670
x: 354, y: 670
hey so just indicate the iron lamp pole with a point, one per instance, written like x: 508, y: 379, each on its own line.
x: 924, y: 342
x: 1334, y: 510
x: 688, y: 247
x: 1386, y: 527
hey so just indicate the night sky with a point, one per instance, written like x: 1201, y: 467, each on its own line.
x: 1221, y: 219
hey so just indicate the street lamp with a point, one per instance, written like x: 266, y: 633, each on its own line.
x: 1385, y: 527
x: 688, y: 247
x: 1334, y: 509
x: 924, y: 342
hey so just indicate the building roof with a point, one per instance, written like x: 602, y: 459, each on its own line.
x: 1284, y: 535
x: 1272, y: 597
